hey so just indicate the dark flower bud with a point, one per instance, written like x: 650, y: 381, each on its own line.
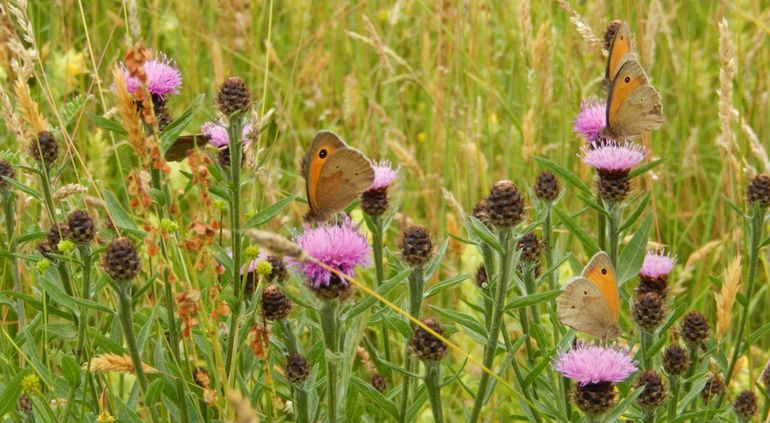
x: 233, y: 96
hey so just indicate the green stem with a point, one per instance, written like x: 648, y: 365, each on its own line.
x: 646, y: 342
x: 300, y: 401
x: 497, y: 317
x: 693, y: 365
x: 565, y: 397
x: 601, y: 221
x: 757, y: 222
x: 674, y: 400
x: 548, y: 241
x: 291, y: 341
x: 234, y: 135
x: 82, y: 322
x: 416, y: 287
x: 330, y: 326
x: 10, y: 229
x: 527, y: 396
x: 377, y: 236
x: 489, y: 267
x: 612, y: 228
x: 433, y: 386
x: 649, y: 416
x: 127, y: 322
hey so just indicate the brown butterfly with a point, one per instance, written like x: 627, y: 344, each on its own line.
x: 620, y: 46
x: 335, y: 174
x: 178, y: 150
x: 633, y: 106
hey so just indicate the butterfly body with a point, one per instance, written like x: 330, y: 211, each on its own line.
x: 335, y: 174
x: 590, y: 302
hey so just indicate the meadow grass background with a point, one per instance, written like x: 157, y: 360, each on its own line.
x: 459, y: 94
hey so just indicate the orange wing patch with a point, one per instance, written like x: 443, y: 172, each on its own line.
x: 601, y: 272
x: 315, y: 166
x: 629, y: 78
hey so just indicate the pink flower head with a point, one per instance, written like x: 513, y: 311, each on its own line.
x: 657, y: 264
x: 595, y: 364
x: 591, y: 120
x: 163, y: 77
x: 218, y: 134
x: 384, y: 175
x: 336, y: 244
x: 613, y: 157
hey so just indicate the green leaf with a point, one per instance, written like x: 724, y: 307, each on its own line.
x: 528, y: 300
x: 36, y: 304
x: 758, y: 334
x: 264, y: 215
x: 636, y: 214
x: 379, y: 400
x: 632, y: 256
x: 621, y: 407
x: 154, y: 389
x: 382, y: 290
x: 444, y: 285
x: 564, y: 173
x: 646, y: 167
x: 21, y: 187
x: 11, y: 394
x: 435, y: 262
x: 485, y: 234
x: 120, y: 216
x: 465, y: 320
x: 108, y: 124
x: 70, y: 369
x: 588, y: 242
x: 172, y: 131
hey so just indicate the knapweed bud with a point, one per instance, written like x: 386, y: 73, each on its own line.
x: 81, y: 227
x: 374, y: 201
x: 531, y: 248
x: 121, y: 260
x: 648, y: 311
x: 201, y: 377
x: 654, y: 393
x: 481, y: 277
x: 57, y: 234
x: 224, y: 157
x: 759, y: 191
x: 713, y: 389
x: 275, y: 304
x: 595, y: 398
x: 506, y: 205
x: 278, y: 271
x: 25, y: 403
x: 481, y: 212
x: 416, y: 245
x: 675, y: 360
x: 336, y: 289
x: 653, y: 276
x: 6, y: 170
x: 233, y: 96
x: 297, y: 368
x: 745, y: 405
x: 695, y: 328
x: 765, y: 377
x: 613, y: 162
x: 426, y: 346
x: 378, y: 382
x: 547, y: 187
x: 44, y: 149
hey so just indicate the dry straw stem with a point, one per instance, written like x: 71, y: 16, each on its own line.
x: 244, y: 413
x: 28, y: 108
x: 12, y: 119
x: 726, y: 75
x: 756, y: 146
x: 68, y: 190
x: 725, y: 298
x: 116, y: 363
x: 583, y: 28
x: 277, y: 244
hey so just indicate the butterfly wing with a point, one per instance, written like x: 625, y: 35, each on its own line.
x: 582, y: 307
x: 178, y: 150
x: 601, y: 273
x: 619, y: 48
x: 345, y: 175
x: 633, y: 106
x: 321, y: 149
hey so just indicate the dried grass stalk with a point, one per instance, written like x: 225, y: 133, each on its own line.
x: 68, y: 190
x: 129, y: 116
x: 28, y: 108
x: 116, y: 363
x: 582, y: 27
x: 244, y: 413
x: 726, y: 75
x: 725, y: 298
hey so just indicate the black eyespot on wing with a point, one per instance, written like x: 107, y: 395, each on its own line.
x: 322, y: 153
x: 585, y: 292
x: 604, y: 271
x: 627, y: 79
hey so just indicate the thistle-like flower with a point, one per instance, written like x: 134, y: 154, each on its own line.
x: 591, y: 120
x: 337, y: 244
x: 163, y: 78
x: 221, y: 140
x: 374, y: 201
x: 613, y: 162
x: 653, y: 277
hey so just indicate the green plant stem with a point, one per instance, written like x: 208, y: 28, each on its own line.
x: 126, y: 321
x: 330, y: 326
x: 527, y: 396
x: 601, y: 222
x: 489, y: 267
x: 565, y: 397
x: 649, y: 416
x: 693, y: 364
x: 300, y: 401
x: 433, y: 386
x: 612, y: 229
x: 234, y: 134
x: 10, y: 229
x: 548, y: 241
x: 646, y: 341
x: 757, y: 222
x: 291, y: 341
x: 674, y: 400
x: 416, y: 287
x: 82, y: 322
x: 377, y: 237
x: 497, y: 317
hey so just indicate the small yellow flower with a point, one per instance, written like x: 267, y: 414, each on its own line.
x: 168, y: 225
x: 421, y: 137
x: 251, y: 213
x: 105, y: 417
x: 252, y: 251
x: 220, y: 204
x: 65, y: 246
x: 43, y: 265
x: 383, y: 15
x: 264, y: 268
x: 30, y: 383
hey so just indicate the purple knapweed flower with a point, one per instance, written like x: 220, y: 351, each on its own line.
x: 163, y: 77
x: 595, y: 364
x: 337, y: 244
x: 384, y: 175
x: 591, y: 120
x: 657, y: 264
x: 613, y: 157
x: 218, y: 134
